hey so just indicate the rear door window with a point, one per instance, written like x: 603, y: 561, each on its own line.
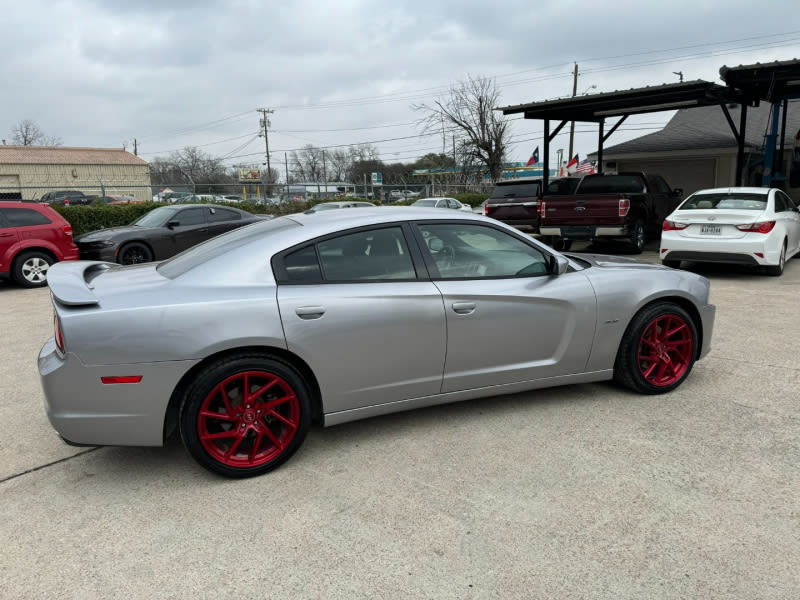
x: 24, y: 217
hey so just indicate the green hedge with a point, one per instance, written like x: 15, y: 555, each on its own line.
x: 100, y: 216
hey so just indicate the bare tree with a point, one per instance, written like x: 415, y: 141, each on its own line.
x: 339, y: 164
x: 307, y: 164
x: 28, y: 133
x: 470, y: 109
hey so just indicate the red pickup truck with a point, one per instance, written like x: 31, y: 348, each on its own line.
x: 628, y: 206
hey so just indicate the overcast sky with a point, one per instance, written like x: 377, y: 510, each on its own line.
x: 182, y: 72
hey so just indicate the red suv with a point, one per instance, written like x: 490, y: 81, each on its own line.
x: 32, y: 237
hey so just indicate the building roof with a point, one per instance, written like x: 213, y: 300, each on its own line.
x: 707, y: 128
x: 768, y: 81
x: 61, y: 155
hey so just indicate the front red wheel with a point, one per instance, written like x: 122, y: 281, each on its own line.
x: 245, y: 416
x: 658, y: 349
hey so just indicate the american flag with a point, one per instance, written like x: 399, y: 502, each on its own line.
x: 585, y: 167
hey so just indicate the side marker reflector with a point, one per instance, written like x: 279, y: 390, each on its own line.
x: 125, y: 379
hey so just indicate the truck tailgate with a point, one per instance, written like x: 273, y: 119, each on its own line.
x: 582, y: 210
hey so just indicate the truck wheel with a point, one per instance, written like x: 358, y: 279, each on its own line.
x: 637, y: 237
x: 562, y: 245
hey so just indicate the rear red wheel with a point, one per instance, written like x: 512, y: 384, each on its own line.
x: 658, y: 349
x: 245, y: 416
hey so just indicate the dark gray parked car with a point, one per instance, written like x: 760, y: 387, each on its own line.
x: 162, y: 232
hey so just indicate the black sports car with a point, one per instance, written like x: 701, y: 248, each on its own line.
x: 163, y: 232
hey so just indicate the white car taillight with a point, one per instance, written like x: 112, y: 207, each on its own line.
x: 763, y: 227
x: 673, y: 226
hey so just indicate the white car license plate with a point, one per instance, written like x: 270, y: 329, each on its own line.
x: 710, y: 230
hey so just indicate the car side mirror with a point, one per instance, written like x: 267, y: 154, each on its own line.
x: 558, y: 264
x: 677, y: 193
x: 173, y: 223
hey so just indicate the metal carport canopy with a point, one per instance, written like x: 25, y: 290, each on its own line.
x: 597, y: 107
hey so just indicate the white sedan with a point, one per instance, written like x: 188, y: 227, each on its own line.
x: 442, y: 203
x: 741, y: 225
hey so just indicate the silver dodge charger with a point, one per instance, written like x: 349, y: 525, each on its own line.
x: 242, y: 341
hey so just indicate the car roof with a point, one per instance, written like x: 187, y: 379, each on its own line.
x: 733, y: 190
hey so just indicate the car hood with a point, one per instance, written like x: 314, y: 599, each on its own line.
x: 110, y: 233
x: 614, y: 262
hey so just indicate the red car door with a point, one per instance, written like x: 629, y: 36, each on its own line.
x: 8, y: 239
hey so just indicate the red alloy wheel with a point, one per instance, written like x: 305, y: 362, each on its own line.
x: 248, y: 419
x: 665, y: 350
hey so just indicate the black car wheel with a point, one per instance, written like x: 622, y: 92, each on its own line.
x: 30, y: 269
x: 637, y: 237
x: 245, y: 415
x: 134, y: 253
x: 777, y: 270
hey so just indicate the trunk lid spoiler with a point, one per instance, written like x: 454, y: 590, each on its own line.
x: 70, y: 281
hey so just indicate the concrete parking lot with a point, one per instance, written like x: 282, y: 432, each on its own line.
x: 586, y: 491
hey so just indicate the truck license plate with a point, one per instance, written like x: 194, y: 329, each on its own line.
x: 710, y: 230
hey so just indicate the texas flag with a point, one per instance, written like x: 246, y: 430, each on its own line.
x: 534, y: 159
x: 572, y: 165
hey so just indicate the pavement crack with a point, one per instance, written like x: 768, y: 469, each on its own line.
x: 50, y: 464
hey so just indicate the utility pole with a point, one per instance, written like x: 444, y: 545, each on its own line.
x: 572, y: 124
x: 286, y: 166
x: 265, y: 124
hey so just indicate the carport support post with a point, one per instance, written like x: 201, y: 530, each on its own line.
x: 740, y: 151
x: 600, y: 146
x: 546, y: 166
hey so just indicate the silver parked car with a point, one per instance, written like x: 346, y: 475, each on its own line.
x: 242, y: 341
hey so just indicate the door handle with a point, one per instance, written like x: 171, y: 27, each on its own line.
x: 463, y: 308
x: 309, y: 312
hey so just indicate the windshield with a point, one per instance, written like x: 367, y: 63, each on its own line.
x: 431, y: 202
x: 156, y: 217
x: 725, y: 200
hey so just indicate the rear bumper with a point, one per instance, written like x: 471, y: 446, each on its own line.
x: 741, y: 251
x: 85, y: 411
x: 584, y: 232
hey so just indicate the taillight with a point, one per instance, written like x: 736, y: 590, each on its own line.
x: 67, y: 230
x: 486, y: 209
x: 673, y: 226
x: 624, y: 207
x: 66, y: 201
x: 763, y: 227
x: 58, y: 335
x: 542, y: 209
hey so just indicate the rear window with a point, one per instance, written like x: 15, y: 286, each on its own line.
x: 611, y: 184
x: 197, y: 255
x: 725, y: 201
x: 528, y: 189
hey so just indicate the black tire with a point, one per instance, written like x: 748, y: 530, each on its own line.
x: 30, y: 268
x: 245, y: 443
x: 562, y: 244
x: 637, y: 237
x: 672, y: 264
x: 777, y: 270
x: 673, y: 356
x: 134, y: 253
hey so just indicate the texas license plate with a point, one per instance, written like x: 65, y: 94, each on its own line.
x: 710, y: 230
